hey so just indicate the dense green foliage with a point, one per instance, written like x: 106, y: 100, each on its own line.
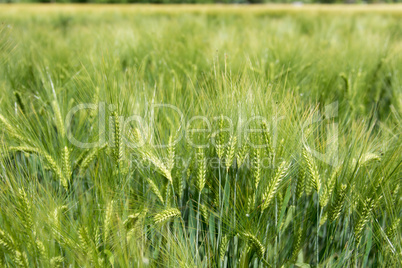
x: 323, y: 92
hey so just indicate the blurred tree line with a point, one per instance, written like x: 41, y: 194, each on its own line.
x: 201, y: 1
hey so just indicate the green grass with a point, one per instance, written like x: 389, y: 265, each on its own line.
x: 281, y: 131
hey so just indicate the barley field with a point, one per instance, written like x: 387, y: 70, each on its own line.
x: 200, y: 136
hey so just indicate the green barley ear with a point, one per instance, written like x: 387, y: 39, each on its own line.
x: 297, y: 243
x: 369, y: 158
x: 250, y: 204
x: 166, y: 215
x: 7, y: 242
x: 10, y: 129
x: 25, y: 211
x: 367, y: 207
x: 155, y: 189
x: 220, y: 139
x: 179, y: 184
x: 18, y: 99
x: 58, y: 118
x: 257, y: 167
x: 337, y: 204
x: 256, y: 244
x: 52, y: 163
x: 89, y: 158
x: 223, y: 247
x: 313, y: 175
x: 171, y: 154
x: 57, y: 262
x: 117, y: 138
x: 301, y: 182
x: 204, y: 212
x: 201, y: 169
x: 108, y: 220
x: 329, y: 187
x: 274, y: 184
x: 21, y: 259
x: 168, y: 193
x: 87, y: 246
x: 391, y: 230
x: 267, y: 139
x: 230, y: 152
x: 242, y: 154
x: 41, y: 250
x: 346, y: 81
x: 161, y: 167
x: 66, y: 163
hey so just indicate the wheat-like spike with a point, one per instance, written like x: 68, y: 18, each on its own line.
x: 250, y: 204
x: 131, y: 220
x: 25, y: 211
x: 52, y: 163
x: 7, y: 242
x: 395, y: 195
x: 117, y: 138
x: 108, y: 220
x: 257, y: 167
x: 155, y: 190
x: 57, y: 262
x: 19, y: 101
x: 367, y: 207
x: 88, y: 246
x: 58, y: 118
x: 41, y: 250
x: 323, y: 218
x: 204, y: 212
x: 138, y: 136
x: 337, y: 204
x: 274, y: 184
x: 56, y: 219
x: 201, y: 169
x: 167, y: 214
x: 98, y: 238
x: 171, y: 154
x: 159, y: 165
x: 230, y: 152
x: 267, y: 139
x: 368, y: 158
x: 85, y: 243
x: 328, y: 189
x: 11, y: 130
x: 66, y: 163
x: 223, y: 247
x: 89, y: 157
x: 301, y: 182
x: 220, y: 141
x: 257, y: 245
x: 346, y: 80
x: 168, y: 193
x: 25, y: 149
x: 56, y: 168
x: 314, y: 176
x: 242, y: 154
x: 81, y: 156
x: 179, y: 185
x: 21, y: 259
x: 297, y: 243
x: 391, y: 230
